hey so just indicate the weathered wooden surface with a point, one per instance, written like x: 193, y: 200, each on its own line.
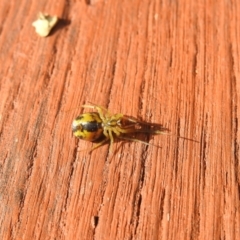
x: 171, y: 62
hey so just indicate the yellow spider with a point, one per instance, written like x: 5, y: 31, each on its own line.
x: 101, y: 127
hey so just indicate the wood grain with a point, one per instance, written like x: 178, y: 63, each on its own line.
x: 169, y: 62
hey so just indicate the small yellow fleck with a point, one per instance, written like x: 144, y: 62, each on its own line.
x: 44, y: 24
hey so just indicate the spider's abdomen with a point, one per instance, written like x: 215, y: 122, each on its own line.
x: 88, y: 126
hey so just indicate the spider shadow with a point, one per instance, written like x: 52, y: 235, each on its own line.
x: 62, y: 23
x: 144, y: 132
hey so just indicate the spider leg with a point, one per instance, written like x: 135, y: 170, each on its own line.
x: 100, y: 109
x: 133, y: 130
x: 111, y: 140
x: 109, y: 136
x: 117, y: 117
x: 130, y: 119
x: 97, y: 145
x: 137, y: 121
x: 119, y: 130
x: 93, y: 105
x: 137, y: 140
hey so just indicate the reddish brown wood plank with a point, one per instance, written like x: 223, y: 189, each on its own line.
x: 169, y: 62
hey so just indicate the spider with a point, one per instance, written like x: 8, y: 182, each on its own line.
x: 101, y: 127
